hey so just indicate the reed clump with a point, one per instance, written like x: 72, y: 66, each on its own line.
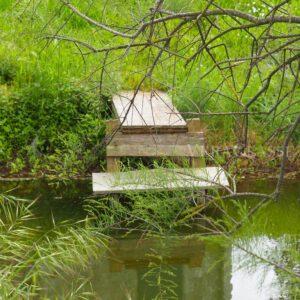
x: 30, y: 256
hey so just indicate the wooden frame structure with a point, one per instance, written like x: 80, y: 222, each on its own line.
x: 149, y: 125
x: 149, y: 131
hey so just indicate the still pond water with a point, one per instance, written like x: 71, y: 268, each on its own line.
x: 193, y: 268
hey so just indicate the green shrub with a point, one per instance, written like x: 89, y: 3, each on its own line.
x: 7, y: 72
x: 44, y: 119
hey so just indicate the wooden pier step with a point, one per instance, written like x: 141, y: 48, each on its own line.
x: 159, y: 179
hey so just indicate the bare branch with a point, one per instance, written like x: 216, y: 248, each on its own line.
x: 269, y: 78
x: 187, y: 16
x: 284, y: 156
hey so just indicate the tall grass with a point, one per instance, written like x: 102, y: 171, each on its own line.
x: 30, y: 255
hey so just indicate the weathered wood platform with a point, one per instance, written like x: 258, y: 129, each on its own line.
x: 147, y: 124
x: 148, y: 112
x: 159, y: 179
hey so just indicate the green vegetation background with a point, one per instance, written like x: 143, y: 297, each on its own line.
x: 51, y: 108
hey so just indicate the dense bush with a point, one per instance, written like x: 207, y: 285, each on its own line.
x: 49, y: 123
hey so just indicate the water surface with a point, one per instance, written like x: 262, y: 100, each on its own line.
x: 182, y: 266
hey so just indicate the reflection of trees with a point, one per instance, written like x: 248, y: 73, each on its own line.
x: 289, y: 257
x: 272, y: 263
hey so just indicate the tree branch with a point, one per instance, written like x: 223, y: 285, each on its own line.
x: 284, y: 156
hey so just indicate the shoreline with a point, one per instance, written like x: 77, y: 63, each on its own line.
x: 245, y: 174
x: 248, y: 165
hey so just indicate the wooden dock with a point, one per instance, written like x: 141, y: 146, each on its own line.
x: 149, y: 125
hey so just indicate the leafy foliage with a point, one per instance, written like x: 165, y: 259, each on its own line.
x: 53, y: 93
x: 29, y: 255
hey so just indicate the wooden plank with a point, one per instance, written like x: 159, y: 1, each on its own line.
x: 159, y: 179
x: 147, y: 145
x: 162, y: 139
x: 155, y: 151
x: 152, y: 111
x: 153, y: 130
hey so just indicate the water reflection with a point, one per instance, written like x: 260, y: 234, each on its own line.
x: 178, y: 268
x: 173, y: 267
x: 190, y: 260
x: 169, y: 268
x: 252, y: 279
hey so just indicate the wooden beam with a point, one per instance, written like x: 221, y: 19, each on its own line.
x: 196, y: 126
x: 153, y: 130
x: 111, y: 125
x: 164, y: 145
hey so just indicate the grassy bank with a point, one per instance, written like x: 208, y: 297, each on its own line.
x: 54, y: 96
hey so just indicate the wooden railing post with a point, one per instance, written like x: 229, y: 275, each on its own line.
x: 112, y: 163
x: 195, y: 125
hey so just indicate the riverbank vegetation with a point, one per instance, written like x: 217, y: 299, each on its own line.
x: 58, y: 73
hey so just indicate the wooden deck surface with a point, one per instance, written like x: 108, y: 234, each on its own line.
x: 159, y: 179
x: 152, y: 111
x: 154, y: 145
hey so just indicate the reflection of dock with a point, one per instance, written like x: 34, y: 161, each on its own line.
x: 200, y: 270
x: 134, y: 254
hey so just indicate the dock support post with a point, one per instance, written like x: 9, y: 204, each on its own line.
x: 195, y: 125
x: 198, y: 162
x: 112, y: 126
x: 113, y: 164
